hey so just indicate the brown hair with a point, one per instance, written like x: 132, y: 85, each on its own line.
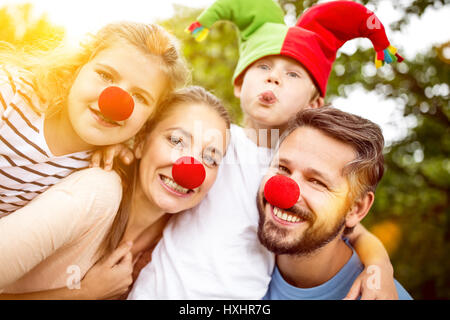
x: 367, y: 169
x: 192, y: 94
x: 53, y: 72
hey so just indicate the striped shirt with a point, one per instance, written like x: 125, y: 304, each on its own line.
x: 27, y: 166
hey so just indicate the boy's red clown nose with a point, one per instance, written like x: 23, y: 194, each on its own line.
x: 281, y: 191
x: 116, y: 104
x: 188, y: 172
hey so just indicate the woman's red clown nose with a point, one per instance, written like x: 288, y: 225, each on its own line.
x: 281, y: 191
x: 188, y: 172
x: 115, y: 103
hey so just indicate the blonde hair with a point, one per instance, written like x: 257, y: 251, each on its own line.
x: 191, y: 94
x: 53, y: 72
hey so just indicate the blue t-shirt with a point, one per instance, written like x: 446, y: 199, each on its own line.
x: 334, y: 289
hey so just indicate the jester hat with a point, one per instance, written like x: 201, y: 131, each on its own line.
x: 313, y: 41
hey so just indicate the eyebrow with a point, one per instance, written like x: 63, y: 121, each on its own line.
x: 310, y: 171
x: 116, y: 74
x: 184, y: 132
x: 285, y: 161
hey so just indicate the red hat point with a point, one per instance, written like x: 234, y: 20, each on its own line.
x: 281, y: 191
x: 188, y: 172
x: 116, y: 103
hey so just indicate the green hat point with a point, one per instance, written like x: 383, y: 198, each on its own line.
x: 260, y: 23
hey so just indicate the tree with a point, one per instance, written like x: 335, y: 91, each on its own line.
x: 411, y: 211
x: 18, y: 26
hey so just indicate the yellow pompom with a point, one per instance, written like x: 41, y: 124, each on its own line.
x: 392, y: 49
x: 378, y: 63
x: 202, y: 35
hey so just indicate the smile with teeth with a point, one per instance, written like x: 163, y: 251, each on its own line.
x: 283, y: 215
x: 173, y: 185
x: 103, y: 118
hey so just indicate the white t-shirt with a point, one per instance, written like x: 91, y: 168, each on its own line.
x: 212, y: 251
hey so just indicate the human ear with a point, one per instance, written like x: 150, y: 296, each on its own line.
x: 139, y: 149
x: 359, y: 209
x: 237, y: 88
x: 317, y: 103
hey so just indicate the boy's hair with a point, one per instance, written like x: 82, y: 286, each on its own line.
x: 53, y: 72
x: 366, y: 170
x: 191, y: 94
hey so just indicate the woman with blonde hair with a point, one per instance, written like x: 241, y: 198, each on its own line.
x: 58, y: 106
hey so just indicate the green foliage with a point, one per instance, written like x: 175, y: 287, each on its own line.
x: 213, y: 60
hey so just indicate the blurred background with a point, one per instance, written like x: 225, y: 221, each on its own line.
x: 409, y: 100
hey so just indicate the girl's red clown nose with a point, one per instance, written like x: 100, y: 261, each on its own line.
x: 115, y: 103
x: 188, y: 172
x: 281, y: 191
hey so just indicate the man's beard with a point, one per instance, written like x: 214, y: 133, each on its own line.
x: 274, y: 237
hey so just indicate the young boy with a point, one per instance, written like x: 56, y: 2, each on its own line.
x: 212, y: 251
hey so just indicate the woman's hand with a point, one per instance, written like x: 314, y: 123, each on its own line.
x: 108, y: 153
x: 374, y: 283
x: 111, y: 276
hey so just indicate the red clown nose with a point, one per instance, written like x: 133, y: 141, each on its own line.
x: 188, y: 172
x: 115, y: 103
x: 281, y: 191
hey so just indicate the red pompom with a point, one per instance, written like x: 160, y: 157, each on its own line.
x: 188, y: 172
x: 116, y: 103
x: 281, y: 191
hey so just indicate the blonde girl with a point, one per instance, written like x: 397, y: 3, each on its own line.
x: 50, y: 116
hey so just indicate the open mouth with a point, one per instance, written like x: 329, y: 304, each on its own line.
x: 100, y: 118
x: 174, y: 187
x: 267, y: 97
x: 285, y: 217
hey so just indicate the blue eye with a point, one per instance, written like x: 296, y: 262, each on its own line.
x: 209, y: 161
x: 293, y: 75
x: 176, y: 141
x: 264, y: 67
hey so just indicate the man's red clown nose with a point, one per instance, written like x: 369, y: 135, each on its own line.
x: 188, y: 172
x: 115, y: 103
x: 281, y: 191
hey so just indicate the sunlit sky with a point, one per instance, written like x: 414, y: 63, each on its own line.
x: 81, y: 16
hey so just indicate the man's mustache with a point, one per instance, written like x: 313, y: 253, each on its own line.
x: 298, y: 211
